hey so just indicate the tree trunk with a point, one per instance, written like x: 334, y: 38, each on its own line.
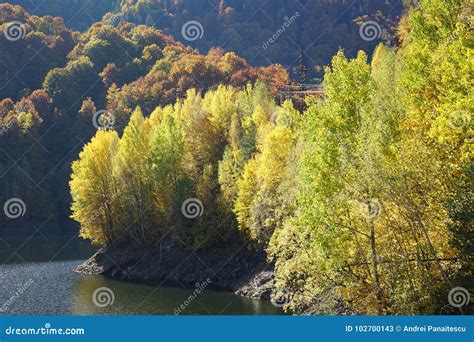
x: 378, y: 289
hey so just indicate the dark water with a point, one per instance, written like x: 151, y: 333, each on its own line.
x: 36, y: 278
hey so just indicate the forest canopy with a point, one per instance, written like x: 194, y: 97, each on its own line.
x: 363, y: 201
x: 56, y: 82
x: 245, y: 27
x: 361, y: 197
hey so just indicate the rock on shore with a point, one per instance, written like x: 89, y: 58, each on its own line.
x: 231, y: 268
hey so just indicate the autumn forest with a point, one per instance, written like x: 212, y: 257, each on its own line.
x: 359, y: 195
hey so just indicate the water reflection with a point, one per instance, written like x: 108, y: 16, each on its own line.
x: 37, y: 278
x: 43, y: 248
x: 137, y: 299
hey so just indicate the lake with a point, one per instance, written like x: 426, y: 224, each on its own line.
x: 37, y: 278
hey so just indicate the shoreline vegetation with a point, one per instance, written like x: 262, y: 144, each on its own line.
x: 362, y: 202
x: 186, y: 167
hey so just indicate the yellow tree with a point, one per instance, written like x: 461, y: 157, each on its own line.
x: 134, y: 177
x: 94, y: 189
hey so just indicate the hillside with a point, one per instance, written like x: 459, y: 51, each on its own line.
x: 97, y: 55
x: 187, y: 161
x: 262, y: 32
x: 55, y: 80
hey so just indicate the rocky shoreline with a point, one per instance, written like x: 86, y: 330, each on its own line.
x: 233, y: 269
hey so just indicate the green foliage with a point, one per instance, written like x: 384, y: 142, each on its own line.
x: 264, y: 197
x: 78, y: 14
x: 383, y: 222
x: 244, y: 26
x: 112, y: 65
x: 185, y: 151
x: 363, y: 201
x: 22, y: 67
x: 67, y: 85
